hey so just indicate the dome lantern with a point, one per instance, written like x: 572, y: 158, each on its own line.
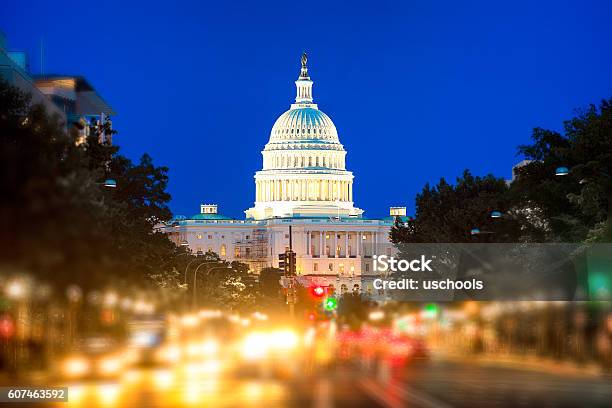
x: 304, y: 84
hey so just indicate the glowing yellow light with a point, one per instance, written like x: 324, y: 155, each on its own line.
x: 108, y: 393
x: 76, y: 394
x: 163, y: 379
x: 76, y: 366
x: 111, y: 365
x: 252, y: 391
x: 132, y: 376
x: 210, y: 347
x: 189, y: 320
x: 170, y: 354
x: 376, y: 315
x: 284, y: 339
x: 254, y: 346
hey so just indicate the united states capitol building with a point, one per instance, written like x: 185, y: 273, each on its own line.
x: 304, y: 183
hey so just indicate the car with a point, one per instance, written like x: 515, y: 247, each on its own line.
x: 93, y: 357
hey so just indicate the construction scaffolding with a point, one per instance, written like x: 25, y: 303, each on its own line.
x: 253, y: 250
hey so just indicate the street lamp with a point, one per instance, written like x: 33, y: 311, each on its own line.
x: 564, y: 171
x: 16, y: 290
x: 110, y: 299
x: 187, y: 267
x: 195, y: 274
x: 110, y: 183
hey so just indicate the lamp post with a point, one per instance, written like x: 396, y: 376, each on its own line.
x: 74, y: 295
x: 187, y: 268
x: 195, y: 275
x: 18, y: 291
x: 565, y: 171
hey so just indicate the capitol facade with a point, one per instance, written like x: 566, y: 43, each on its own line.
x: 304, y: 184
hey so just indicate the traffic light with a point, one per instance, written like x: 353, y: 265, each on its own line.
x: 317, y: 291
x: 330, y: 304
x: 282, y: 262
x: 287, y: 262
x: 291, y: 267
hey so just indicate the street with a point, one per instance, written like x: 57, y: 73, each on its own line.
x: 427, y: 384
x: 439, y: 384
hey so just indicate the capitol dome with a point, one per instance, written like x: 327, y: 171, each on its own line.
x: 303, y: 170
x: 303, y: 128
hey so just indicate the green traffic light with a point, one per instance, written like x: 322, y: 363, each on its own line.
x: 330, y: 304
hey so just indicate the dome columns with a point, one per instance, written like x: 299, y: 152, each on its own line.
x: 304, y: 189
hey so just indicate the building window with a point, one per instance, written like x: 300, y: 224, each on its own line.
x: 363, y: 237
x: 222, y: 250
x: 248, y: 236
x: 222, y: 236
x: 315, y: 267
x: 237, y: 252
x: 330, y: 267
x: 367, y: 267
x: 199, y: 236
x: 287, y: 236
x: 248, y: 251
x: 210, y: 237
x: 341, y: 268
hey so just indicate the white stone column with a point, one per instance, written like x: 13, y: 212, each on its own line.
x: 335, y: 244
x: 321, y: 249
x: 346, y: 253
x: 375, y: 244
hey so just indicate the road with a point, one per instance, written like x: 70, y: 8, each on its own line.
x: 443, y: 384
x: 432, y: 384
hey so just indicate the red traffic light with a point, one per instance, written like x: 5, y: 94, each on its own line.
x: 317, y: 291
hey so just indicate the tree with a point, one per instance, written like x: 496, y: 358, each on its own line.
x: 60, y: 222
x: 447, y: 213
x: 575, y: 207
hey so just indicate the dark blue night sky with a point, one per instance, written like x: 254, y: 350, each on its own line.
x: 417, y: 89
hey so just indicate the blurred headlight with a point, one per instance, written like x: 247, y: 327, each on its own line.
x: 76, y: 367
x: 210, y: 347
x: 169, y: 354
x: 255, y: 346
x: 284, y: 339
x: 110, y: 365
